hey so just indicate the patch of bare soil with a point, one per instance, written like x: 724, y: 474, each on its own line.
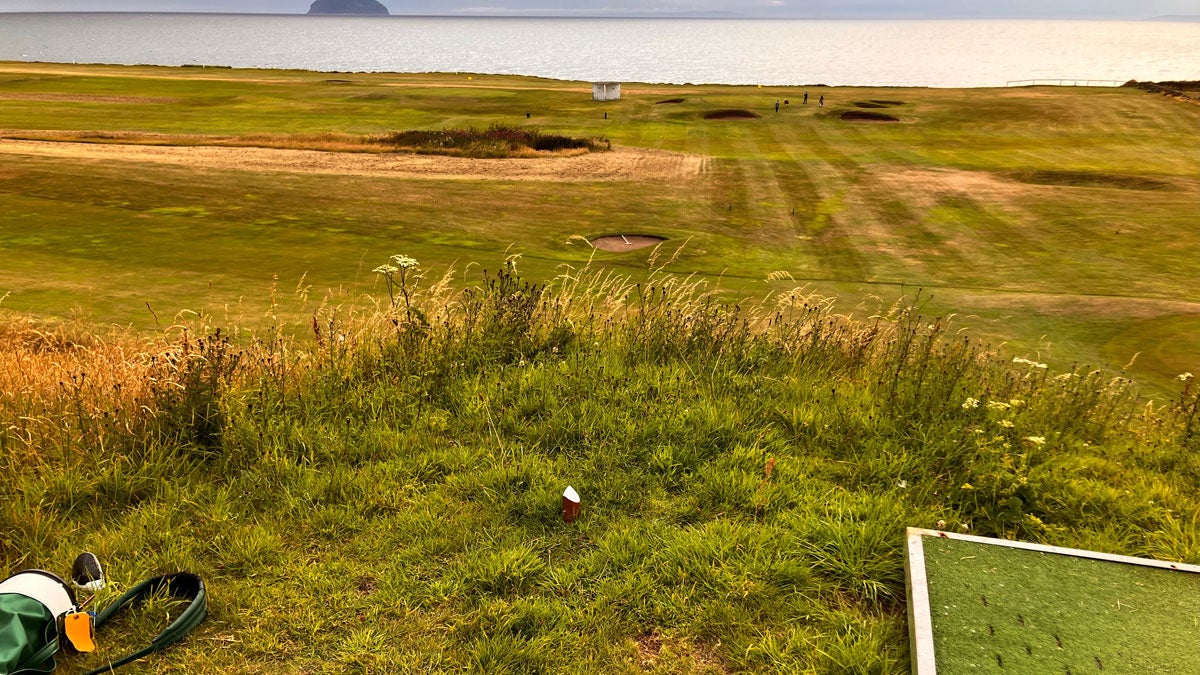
x: 86, y: 98
x: 649, y: 647
x: 626, y: 242
x: 654, y: 650
x: 864, y: 116
x: 731, y: 115
x: 616, y: 165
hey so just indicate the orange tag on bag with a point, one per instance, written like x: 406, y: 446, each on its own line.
x: 80, y: 628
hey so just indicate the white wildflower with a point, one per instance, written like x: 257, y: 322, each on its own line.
x: 404, y: 261
x: 970, y: 403
x: 941, y: 525
x: 1006, y: 424
x: 901, y: 484
x: 998, y: 405
x: 1183, y: 377
x: 386, y: 269
x: 1036, y: 440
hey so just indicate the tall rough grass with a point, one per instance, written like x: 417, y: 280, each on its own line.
x: 389, y: 471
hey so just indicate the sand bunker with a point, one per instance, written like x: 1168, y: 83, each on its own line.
x: 731, y: 115
x: 626, y: 242
x: 1088, y: 179
x: 616, y: 165
x: 864, y: 116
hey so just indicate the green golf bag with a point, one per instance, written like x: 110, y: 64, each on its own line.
x: 31, y: 605
x: 34, y: 606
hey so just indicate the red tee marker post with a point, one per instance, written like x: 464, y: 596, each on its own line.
x: 571, y: 504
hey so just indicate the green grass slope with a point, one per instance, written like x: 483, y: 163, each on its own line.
x: 382, y: 493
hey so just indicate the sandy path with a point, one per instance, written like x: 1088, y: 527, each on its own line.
x: 617, y: 165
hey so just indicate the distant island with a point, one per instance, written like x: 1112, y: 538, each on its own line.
x: 363, y: 7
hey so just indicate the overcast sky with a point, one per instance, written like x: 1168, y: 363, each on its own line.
x: 1133, y: 9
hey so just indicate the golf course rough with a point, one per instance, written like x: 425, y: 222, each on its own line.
x: 996, y: 609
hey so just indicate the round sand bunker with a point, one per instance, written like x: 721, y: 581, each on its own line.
x: 731, y: 115
x: 626, y: 242
x: 865, y: 116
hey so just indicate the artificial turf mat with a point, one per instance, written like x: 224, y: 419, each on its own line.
x: 996, y: 609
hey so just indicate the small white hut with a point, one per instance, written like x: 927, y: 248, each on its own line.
x: 606, y: 91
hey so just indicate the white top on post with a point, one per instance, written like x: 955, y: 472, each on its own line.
x: 571, y: 495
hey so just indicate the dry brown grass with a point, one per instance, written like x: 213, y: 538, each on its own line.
x: 322, y: 142
x: 55, y: 379
x: 325, y: 142
x: 620, y: 164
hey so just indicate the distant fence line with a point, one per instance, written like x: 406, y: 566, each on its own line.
x: 1064, y: 82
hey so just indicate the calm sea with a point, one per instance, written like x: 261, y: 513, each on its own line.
x: 923, y: 53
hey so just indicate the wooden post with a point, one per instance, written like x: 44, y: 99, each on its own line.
x: 571, y: 504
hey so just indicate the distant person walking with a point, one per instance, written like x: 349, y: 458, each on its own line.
x: 776, y: 106
x: 821, y: 103
x: 806, y: 98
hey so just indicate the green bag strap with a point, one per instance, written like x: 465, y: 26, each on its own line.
x: 182, y: 585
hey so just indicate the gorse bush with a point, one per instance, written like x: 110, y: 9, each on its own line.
x: 498, y: 140
x: 391, y: 471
